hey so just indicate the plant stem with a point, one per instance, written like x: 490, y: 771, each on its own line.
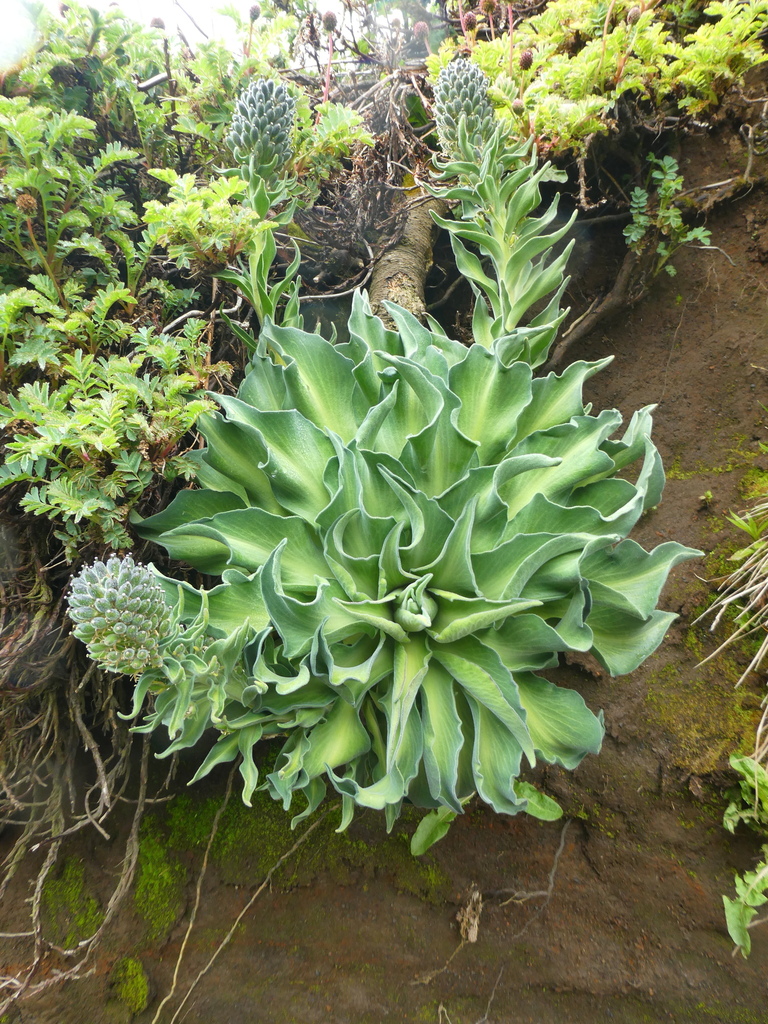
x: 511, y: 25
x: 327, y: 87
x: 46, y: 265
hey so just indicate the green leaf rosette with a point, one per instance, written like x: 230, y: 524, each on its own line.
x: 407, y: 532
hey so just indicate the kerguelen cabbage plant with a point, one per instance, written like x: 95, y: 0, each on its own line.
x: 411, y: 531
x: 407, y: 531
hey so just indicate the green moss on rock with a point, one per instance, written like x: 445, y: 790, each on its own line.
x: 250, y: 840
x: 704, y: 715
x: 72, y: 911
x: 130, y: 984
x: 160, y: 881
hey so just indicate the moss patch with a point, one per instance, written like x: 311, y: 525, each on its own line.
x: 727, y: 1011
x: 706, y: 717
x: 130, y: 984
x: 72, y: 911
x: 250, y: 840
x: 739, y: 455
x: 160, y: 881
x: 754, y: 484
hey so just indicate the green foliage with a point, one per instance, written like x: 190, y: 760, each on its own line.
x: 213, y: 225
x: 324, y: 137
x: 203, y: 226
x: 586, y: 57
x: 90, y: 62
x: 120, y: 613
x: 397, y: 567
x: 87, y: 444
x: 751, y: 807
x: 751, y: 804
x: 661, y: 228
x: 744, y: 588
x: 262, y: 130
x: 404, y: 566
x: 91, y: 415
x: 461, y: 96
x: 62, y: 207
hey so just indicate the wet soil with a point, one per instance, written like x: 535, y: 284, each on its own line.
x: 613, y: 913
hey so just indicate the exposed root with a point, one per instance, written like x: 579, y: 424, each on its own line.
x: 521, y: 896
x: 484, y: 1018
x: 23, y: 986
x: 429, y: 976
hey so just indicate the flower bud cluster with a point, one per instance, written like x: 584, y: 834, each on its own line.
x: 461, y: 91
x: 120, y: 613
x: 525, y: 60
x: 27, y: 204
x: 261, y: 133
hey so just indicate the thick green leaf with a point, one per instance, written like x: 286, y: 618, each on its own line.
x: 188, y: 506
x: 576, y: 444
x: 411, y: 663
x: 392, y: 787
x: 297, y: 621
x: 622, y: 642
x: 630, y: 578
x: 522, y: 640
x: 411, y: 403
x: 249, y: 536
x: 562, y: 727
x: 340, y: 738
x: 319, y: 380
x: 237, y: 453
x: 737, y: 917
x: 443, y: 736
x: 452, y: 570
x: 432, y: 827
x: 429, y: 525
x: 462, y: 616
x: 440, y: 454
x: 483, y: 383
x: 538, y: 804
x: 295, y: 455
x: 481, y: 674
x: 612, y: 517
x: 555, y: 399
x: 496, y: 756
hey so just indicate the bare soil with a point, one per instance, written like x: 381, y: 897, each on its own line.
x: 613, y: 913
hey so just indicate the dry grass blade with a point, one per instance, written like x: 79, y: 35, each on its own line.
x: 747, y: 587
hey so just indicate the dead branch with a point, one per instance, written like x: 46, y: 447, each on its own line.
x: 400, y: 273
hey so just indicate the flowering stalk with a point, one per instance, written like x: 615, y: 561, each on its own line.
x: 329, y: 24
x: 511, y: 24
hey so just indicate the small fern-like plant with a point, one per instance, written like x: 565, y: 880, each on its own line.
x: 87, y: 445
x: 585, y: 57
x: 660, y: 226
